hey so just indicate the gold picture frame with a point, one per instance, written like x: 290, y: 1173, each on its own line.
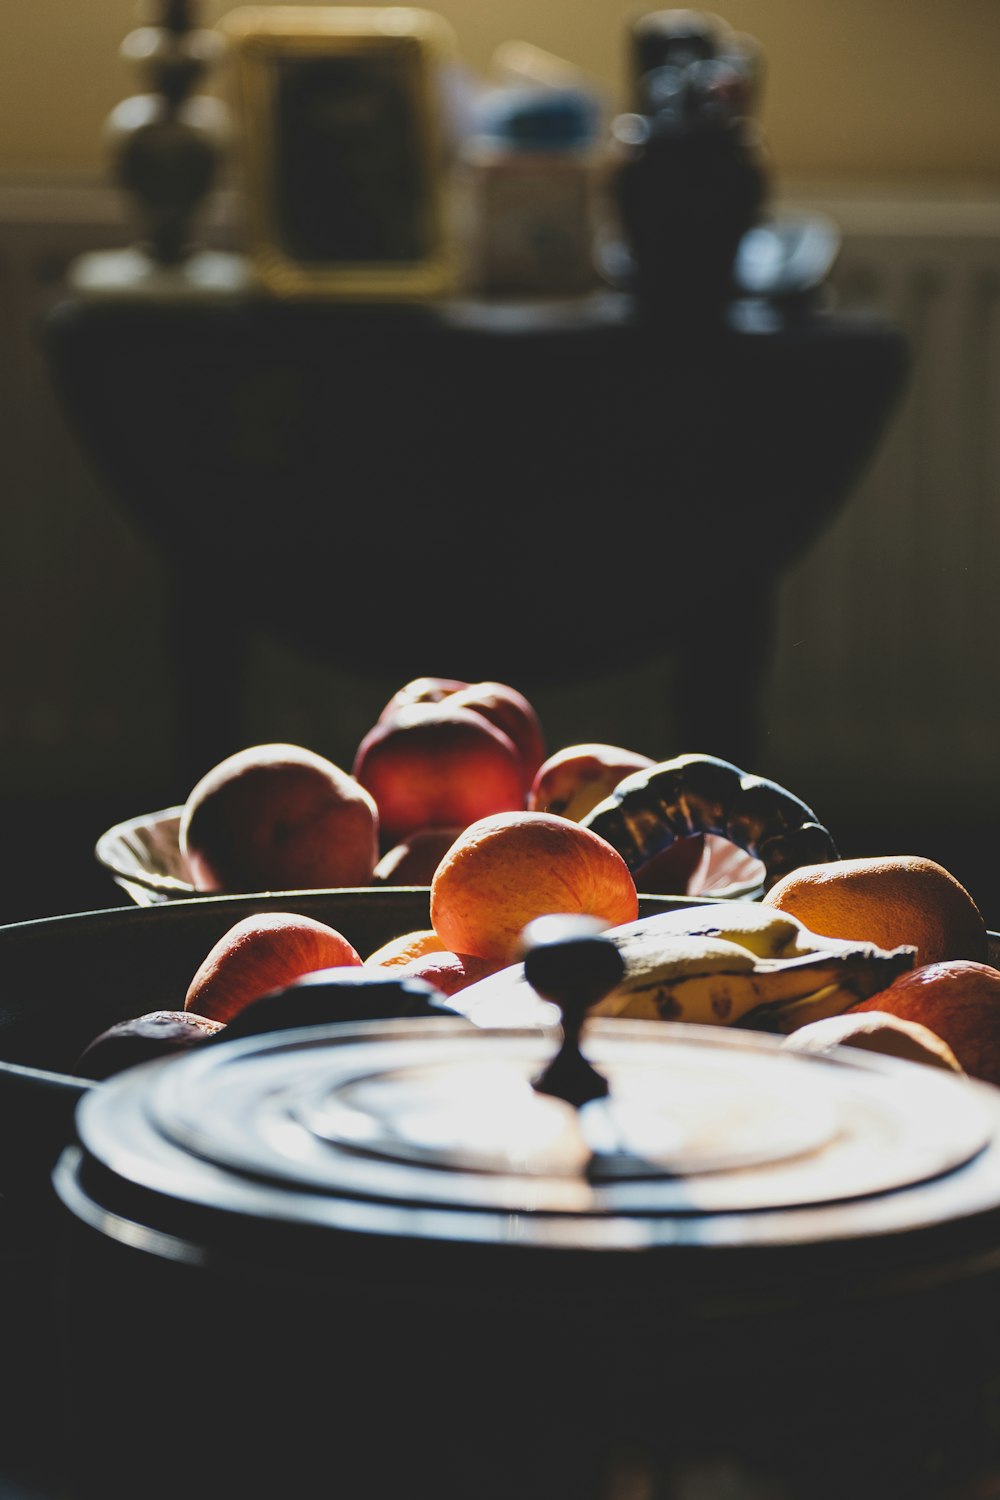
x: 341, y: 146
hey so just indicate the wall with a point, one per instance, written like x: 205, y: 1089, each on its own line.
x: 862, y: 89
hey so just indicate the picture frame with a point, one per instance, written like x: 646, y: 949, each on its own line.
x: 339, y: 115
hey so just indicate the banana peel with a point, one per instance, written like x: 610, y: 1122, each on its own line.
x: 787, y: 974
x: 729, y: 963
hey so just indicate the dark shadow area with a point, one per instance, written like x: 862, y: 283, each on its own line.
x: 386, y: 488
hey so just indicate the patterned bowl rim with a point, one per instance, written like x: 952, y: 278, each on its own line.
x: 142, y: 855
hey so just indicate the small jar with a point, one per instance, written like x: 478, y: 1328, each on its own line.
x: 525, y: 191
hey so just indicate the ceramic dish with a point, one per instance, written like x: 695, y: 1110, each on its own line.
x: 143, y: 856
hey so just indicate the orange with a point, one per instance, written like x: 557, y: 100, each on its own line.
x: 505, y: 869
x: 888, y: 899
x: 875, y: 1030
x: 403, y: 949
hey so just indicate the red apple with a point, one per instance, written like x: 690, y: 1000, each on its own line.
x: 504, y: 706
x: 512, y: 712
x: 414, y: 860
x: 261, y: 953
x: 278, y: 817
x: 574, y: 779
x: 449, y: 972
x: 422, y: 690
x: 332, y: 996
x: 959, y: 1001
x: 430, y: 765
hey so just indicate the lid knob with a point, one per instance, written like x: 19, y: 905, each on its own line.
x: 568, y: 961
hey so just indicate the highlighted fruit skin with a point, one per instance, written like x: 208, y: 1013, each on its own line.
x: 450, y: 972
x: 403, y: 949
x: 888, y: 900
x: 875, y: 1031
x: 507, y: 869
x: 573, y: 780
x: 261, y: 953
x: 422, y: 690
x: 957, y: 999
x: 511, y: 712
x: 430, y: 766
x: 278, y: 817
x: 504, y: 706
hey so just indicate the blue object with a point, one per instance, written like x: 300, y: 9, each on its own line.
x: 542, y: 119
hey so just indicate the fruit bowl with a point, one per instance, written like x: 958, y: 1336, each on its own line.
x: 65, y: 979
x: 143, y: 856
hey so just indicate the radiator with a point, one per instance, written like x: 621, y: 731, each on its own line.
x: 885, y: 676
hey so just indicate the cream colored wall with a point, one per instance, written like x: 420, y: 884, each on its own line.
x: 860, y: 90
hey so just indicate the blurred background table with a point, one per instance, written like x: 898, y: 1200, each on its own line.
x: 527, y: 492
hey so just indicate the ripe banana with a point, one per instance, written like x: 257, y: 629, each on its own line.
x: 787, y: 975
x: 764, y: 931
x: 723, y: 964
